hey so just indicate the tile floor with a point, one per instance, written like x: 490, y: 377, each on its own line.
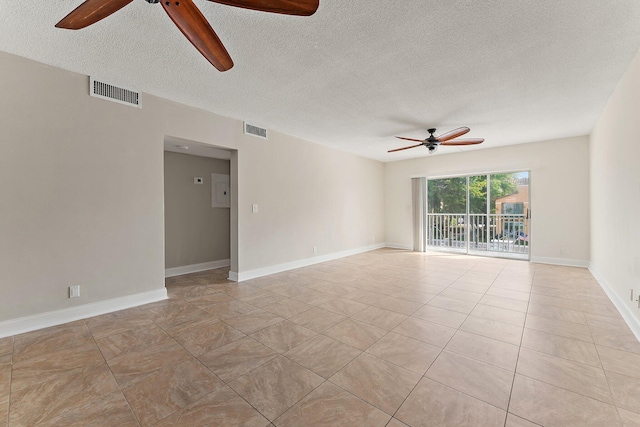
x: 386, y: 338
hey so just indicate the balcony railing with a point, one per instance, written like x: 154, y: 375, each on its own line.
x: 508, y: 234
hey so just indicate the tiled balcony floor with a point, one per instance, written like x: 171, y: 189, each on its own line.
x: 386, y: 338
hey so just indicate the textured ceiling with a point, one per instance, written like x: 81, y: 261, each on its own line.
x: 359, y: 72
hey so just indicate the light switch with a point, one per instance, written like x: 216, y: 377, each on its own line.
x: 254, y: 208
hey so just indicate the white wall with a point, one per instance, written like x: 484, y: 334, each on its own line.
x: 559, y: 193
x: 81, y: 185
x: 615, y: 196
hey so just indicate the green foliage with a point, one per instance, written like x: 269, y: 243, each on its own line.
x: 449, y: 195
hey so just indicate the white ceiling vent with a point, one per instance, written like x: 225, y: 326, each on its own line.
x: 114, y: 93
x: 255, y: 130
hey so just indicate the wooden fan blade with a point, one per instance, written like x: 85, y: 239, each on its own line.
x: 452, y: 134
x: 286, y: 7
x: 90, y: 12
x: 410, y: 139
x: 404, y: 148
x: 466, y: 141
x: 196, y: 28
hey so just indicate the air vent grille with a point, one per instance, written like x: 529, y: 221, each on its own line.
x: 114, y: 93
x: 255, y: 130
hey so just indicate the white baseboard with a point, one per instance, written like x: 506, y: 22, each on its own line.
x: 623, y: 308
x: 58, y: 317
x: 265, y: 271
x: 561, y: 261
x: 398, y: 246
x: 194, y: 268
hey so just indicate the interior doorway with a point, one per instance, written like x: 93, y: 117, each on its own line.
x: 484, y: 214
x: 200, y: 217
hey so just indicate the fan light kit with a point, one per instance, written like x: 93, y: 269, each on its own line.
x: 432, y: 142
x: 189, y: 20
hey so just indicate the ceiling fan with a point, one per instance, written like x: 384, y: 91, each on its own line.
x: 433, y: 142
x: 189, y: 20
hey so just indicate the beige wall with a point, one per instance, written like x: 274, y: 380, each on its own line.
x: 307, y: 196
x: 194, y: 231
x: 615, y: 194
x: 559, y: 177
x: 81, y: 181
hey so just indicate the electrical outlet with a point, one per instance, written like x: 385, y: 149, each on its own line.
x: 254, y: 208
x: 74, y: 291
x: 198, y: 180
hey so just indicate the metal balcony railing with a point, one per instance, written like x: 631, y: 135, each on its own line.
x: 507, y: 234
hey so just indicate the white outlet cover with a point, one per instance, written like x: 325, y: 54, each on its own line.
x: 74, y: 291
x: 254, y: 208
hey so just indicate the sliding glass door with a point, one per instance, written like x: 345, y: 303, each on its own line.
x: 479, y: 214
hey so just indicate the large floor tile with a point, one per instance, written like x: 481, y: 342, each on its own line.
x: 577, y: 377
x: 432, y: 404
x: 377, y: 382
x: 453, y: 304
x: 323, y: 355
x: 441, y: 316
x: 117, y: 322
x: 506, y: 303
x: 406, y: 352
x: 283, y: 336
x: 45, y: 341
x: 223, y: 407
x: 134, y: 366
x: 355, y: 334
x: 276, y: 386
x: 204, y: 335
x: 379, y: 317
x: 344, y: 306
x: 225, y: 310
x: 318, y: 319
x: 547, y: 405
x: 620, y: 340
x: 629, y: 418
x: 478, y: 379
x: 557, y: 313
x: 508, y: 293
x: 107, y: 410
x: 173, y: 388
x: 287, y: 308
x: 622, y: 362
x: 514, y: 421
x: 512, y: 317
x: 559, y: 327
x: 253, y: 322
x: 132, y: 341
x: 500, y: 331
x: 461, y: 294
x: 331, y: 406
x: 625, y: 390
x: 488, y: 350
x: 422, y: 330
x: 49, y: 367
x: 6, y: 345
x: 237, y: 358
x: 171, y: 312
x: 556, y: 345
x: 44, y: 401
